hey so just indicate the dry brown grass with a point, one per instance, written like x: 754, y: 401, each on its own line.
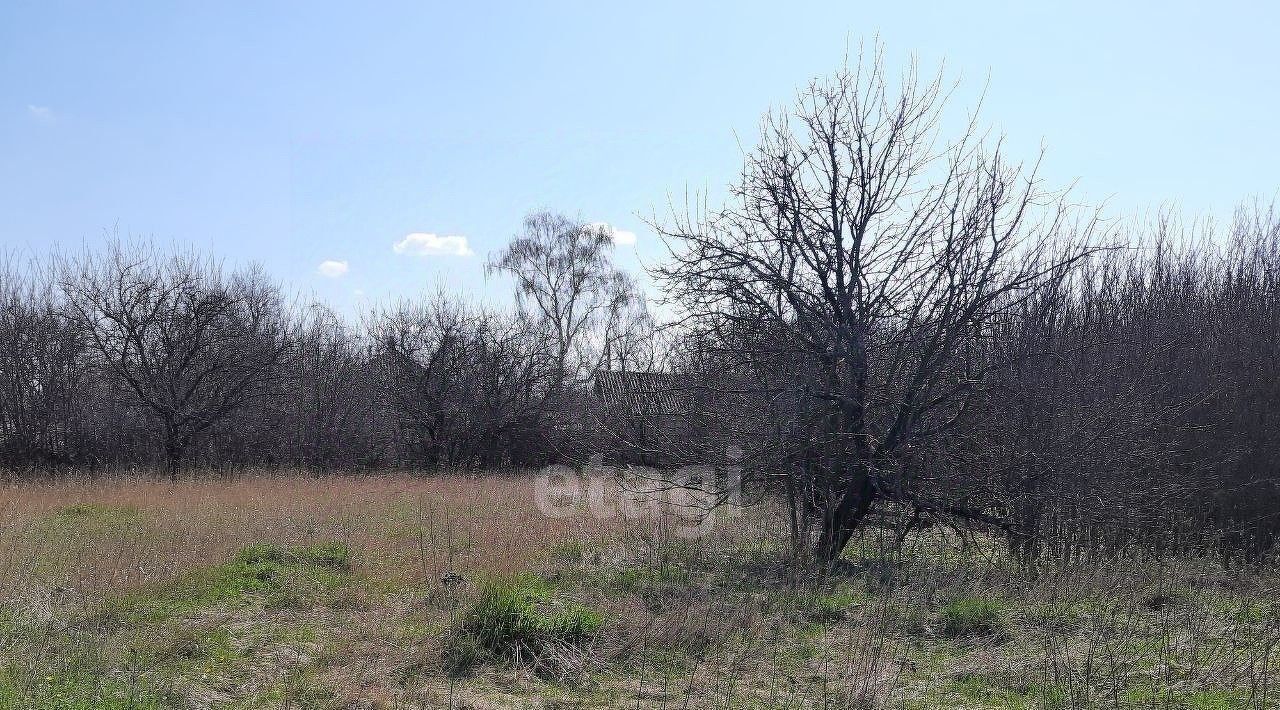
x: 400, y: 527
x: 715, y: 622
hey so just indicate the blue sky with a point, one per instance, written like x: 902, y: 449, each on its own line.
x: 295, y: 133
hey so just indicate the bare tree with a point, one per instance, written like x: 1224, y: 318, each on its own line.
x: 464, y: 386
x: 854, y: 274
x: 566, y: 279
x: 189, y: 344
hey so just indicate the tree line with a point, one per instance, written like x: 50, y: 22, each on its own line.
x: 140, y: 356
x: 891, y: 323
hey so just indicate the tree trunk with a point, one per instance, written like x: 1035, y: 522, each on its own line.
x: 838, y: 525
x: 172, y: 451
x: 171, y: 464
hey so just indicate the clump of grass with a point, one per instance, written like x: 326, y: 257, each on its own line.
x: 300, y: 688
x: 265, y: 557
x: 214, y: 647
x: 811, y: 605
x: 971, y: 616
x: 655, y: 585
x: 573, y: 552
x: 831, y: 606
x: 519, y: 619
x: 329, y: 555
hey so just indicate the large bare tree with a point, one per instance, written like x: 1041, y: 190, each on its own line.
x: 855, y: 273
x: 189, y: 344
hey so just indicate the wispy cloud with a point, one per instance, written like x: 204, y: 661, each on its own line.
x: 333, y: 269
x: 621, y: 237
x: 423, y: 244
x: 40, y: 113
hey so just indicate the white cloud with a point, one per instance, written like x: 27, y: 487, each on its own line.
x: 423, y: 244
x: 40, y: 113
x: 333, y: 269
x: 621, y: 237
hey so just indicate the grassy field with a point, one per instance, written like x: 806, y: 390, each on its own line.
x: 456, y: 591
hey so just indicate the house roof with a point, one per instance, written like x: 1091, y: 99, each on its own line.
x: 643, y: 392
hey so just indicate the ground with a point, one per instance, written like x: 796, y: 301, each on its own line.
x: 459, y: 591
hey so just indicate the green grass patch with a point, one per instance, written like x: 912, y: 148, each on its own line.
x: 572, y: 552
x: 281, y: 577
x: 652, y: 582
x: 972, y: 616
x: 77, y: 691
x: 827, y: 607
x: 1198, y: 700
x: 89, y: 513
x: 977, y: 690
x: 209, y: 649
